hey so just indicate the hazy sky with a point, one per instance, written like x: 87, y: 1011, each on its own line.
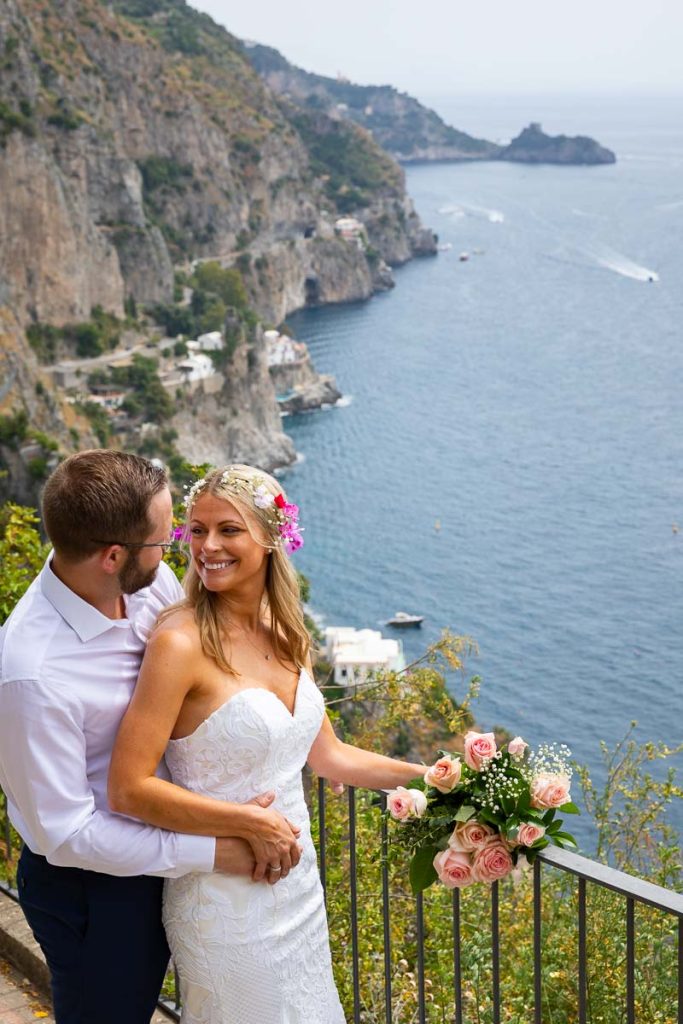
x: 451, y: 47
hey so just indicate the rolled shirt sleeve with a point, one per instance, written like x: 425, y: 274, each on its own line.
x: 43, y: 771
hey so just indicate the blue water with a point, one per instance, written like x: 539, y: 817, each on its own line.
x: 530, y: 399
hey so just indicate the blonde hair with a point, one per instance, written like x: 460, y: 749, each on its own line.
x: 282, y: 601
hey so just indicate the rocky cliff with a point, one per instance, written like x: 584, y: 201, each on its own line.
x: 135, y: 137
x: 242, y: 419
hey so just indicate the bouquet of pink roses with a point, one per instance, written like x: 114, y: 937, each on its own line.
x: 481, y: 820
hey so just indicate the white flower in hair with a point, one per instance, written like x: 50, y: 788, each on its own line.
x: 262, y: 497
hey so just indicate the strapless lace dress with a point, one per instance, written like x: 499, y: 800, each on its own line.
x: 246, y: 952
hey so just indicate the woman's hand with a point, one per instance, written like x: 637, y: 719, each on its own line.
x: 273, y: 840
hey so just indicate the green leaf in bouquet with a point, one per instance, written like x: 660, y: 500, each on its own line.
x: 508, y: 805
x: 491, y: 818
x: 441, y: 819
x: 523, y: 801
x: 553, y: 827
x: 533, y: 851
x: 511, y: 832
x: 548, y: 816
x: 569, y: 808
x: 422, y: 870
x: 465, y: 812
x: 564, y: 839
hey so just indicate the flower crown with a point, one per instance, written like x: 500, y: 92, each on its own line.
x: 282, y: 515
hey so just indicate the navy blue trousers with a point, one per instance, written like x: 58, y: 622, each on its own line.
x: 102, y: 938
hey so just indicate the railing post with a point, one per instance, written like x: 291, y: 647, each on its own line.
x: 457, y: 960
x: 385, y: 911
x: 354, y: 904
x: 630, y: 961
x: 322, y: 836
x: 538, y: 993
x: 176, y: 984
x: 421, y: 1005
x: 495, y: 952
x: 582, y: 951
x: 680, y: 970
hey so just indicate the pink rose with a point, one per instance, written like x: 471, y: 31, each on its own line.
x: 549, y: 790
x: 454, y: 868
x: 470, y: 835
x: 517, y: 747
x: 491, y: 862
x: 406, y: 803
x: 529, y: 832
x: 444, y: 775
x: 419, y: 802
x: 479, y: 746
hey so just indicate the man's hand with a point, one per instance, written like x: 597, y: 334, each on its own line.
x: 234, y: 857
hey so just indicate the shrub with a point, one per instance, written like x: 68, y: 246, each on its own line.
x: 14, y: 428
x: 227, y: 283
x: 22, y: 554
x: 43, y: 340
x: 164, y: 171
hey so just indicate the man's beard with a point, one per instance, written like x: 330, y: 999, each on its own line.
x: 133, y: 578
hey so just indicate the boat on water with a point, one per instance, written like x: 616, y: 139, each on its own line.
x: 404, y: 619
x: 463, y: 257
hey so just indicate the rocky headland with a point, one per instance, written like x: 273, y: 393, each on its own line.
x: 533, y: 146
x: 407, y: 129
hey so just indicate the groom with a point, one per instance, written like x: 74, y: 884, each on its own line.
x: 90, y: 881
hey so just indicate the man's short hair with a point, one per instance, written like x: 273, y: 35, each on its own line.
x: 99, y: 495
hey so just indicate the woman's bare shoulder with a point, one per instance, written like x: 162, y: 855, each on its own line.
x: 176, y: 632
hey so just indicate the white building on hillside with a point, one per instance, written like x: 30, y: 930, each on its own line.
x: 355, y: 653
x: 350, y: 229
x: 211, y: 342
x: 196, y: 367
x: 280, y: 349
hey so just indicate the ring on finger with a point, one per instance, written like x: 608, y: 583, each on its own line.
x: 275, y: 868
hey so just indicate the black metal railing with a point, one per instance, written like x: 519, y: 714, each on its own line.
x: 589, y: 873
x: 634, y: 892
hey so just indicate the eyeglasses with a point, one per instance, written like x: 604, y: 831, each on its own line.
x: 165, y: 545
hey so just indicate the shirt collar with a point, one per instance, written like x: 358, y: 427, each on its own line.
x: 83, y: 617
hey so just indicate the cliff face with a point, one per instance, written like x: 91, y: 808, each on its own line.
x: 240, y: 423
x: 134, y: 135
x: 25, y: 391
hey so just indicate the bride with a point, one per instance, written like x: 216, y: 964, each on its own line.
x: 226, y: 690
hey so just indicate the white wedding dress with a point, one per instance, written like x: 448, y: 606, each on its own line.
x: 248, y: 952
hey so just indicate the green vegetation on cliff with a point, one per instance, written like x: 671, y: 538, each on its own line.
x: 399, y: 123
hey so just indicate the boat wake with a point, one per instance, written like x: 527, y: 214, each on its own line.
x: 343, y: 402
x: 615, y: 261
x: 458, y: 210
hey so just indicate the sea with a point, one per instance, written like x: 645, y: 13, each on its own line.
x: 507, y: 460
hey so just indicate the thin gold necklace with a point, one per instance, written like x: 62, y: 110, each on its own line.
x: 248, y: 639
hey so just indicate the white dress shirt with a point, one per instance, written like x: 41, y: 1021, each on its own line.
x: 67, y: 673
